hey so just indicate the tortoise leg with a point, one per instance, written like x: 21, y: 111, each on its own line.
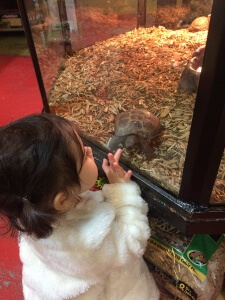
x: 147, y: 149
x: 116, y: 142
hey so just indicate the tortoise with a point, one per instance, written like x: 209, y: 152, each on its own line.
x: 189, y: 78
x: 135, y: 129
x: 199, y: 24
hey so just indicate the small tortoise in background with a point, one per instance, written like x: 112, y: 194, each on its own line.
x: 135, y: 129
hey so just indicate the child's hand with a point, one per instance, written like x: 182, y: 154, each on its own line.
x: 114, y: 172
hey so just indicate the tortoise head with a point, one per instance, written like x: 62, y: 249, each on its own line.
x: 132, y: 142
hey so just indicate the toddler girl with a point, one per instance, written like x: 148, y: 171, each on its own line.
x: 74, y: 243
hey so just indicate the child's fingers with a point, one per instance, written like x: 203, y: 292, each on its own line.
x: 113, y: 170
x: 117, y: 155
x: 118, y: 169
x: 128, y: 175
x: 111, y: 160
x: 121, y: 172
x: 108, y: 164
x: 105, y: 165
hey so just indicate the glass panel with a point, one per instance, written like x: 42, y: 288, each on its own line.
x: 48, y: 37
x: 218, y: 193
x: 95, y: 21
x: 119, y: 69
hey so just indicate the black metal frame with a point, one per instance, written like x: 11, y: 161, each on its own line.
x: 190, y: 212
x: 207, y: 140
x: 33, y: 53
x: 189, y: 218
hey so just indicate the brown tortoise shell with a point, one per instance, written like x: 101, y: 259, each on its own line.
x: 137, y: 121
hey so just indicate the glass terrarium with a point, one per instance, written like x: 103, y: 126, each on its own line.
x: 147, y: 76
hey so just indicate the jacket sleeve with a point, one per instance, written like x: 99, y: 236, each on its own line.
x: 130, y: 229
x: 103, y: 234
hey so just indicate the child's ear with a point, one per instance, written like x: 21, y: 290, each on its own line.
x: 62, y: 202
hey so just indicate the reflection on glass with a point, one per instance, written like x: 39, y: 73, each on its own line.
x: 117, y: 69
x: 95, y: 21
x: 46, y: 28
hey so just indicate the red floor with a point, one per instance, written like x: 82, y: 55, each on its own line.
x: 19, y: 96
x: 19, y: 92
x: 10, y: 270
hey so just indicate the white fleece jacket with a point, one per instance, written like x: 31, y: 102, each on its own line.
x: 95, y: 251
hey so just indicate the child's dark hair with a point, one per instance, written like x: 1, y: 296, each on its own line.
x: 38, y: 159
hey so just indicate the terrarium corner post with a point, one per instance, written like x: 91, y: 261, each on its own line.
x: 26, y: 26
x: 207, y: 141
x: 65, y: 26
x: 141, y: 13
